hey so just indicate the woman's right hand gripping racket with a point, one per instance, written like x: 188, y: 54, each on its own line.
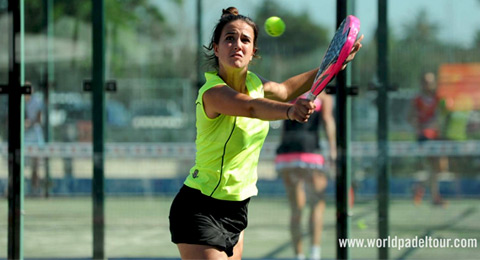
x: 336, y: 54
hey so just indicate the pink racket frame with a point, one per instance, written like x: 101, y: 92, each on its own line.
x: 324, y: 77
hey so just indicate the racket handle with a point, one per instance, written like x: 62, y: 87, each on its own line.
x: 311, y: 96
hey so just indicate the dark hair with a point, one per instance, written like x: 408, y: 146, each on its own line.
x: 228, y: 15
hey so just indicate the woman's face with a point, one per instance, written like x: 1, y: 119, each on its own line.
x: 428, y: 82
x: 235, y: 48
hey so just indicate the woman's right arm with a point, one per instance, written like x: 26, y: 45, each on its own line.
x: 224, y: 100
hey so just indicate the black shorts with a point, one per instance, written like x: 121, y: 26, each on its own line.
x: 199, y: 219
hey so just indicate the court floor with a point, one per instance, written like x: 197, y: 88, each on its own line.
x: 137, y: 228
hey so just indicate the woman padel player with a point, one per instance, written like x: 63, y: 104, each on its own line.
x: 209, y: 214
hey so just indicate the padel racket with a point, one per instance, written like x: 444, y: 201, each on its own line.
x: 336, y: 54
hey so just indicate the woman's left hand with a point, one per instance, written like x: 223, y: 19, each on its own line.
x: 356, y: 47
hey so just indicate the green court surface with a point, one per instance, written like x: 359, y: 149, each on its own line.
x: 137, y: 227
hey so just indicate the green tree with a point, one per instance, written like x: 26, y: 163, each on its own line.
x: 420, y: 30
x: 477, y: 40
x: 121, y: 13
x: 417, y: 51
x: 140, y: 17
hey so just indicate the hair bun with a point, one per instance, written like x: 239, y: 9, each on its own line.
x: 229, y: 11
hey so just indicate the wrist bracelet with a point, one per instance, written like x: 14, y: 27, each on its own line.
x: 288, y: 110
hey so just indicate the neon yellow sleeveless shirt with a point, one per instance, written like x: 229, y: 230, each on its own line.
x: 228, y: 148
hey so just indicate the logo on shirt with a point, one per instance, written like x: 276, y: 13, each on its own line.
x: 195, y: 173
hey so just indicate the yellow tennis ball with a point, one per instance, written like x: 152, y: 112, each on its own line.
x: 274, y: 26
x: 361, y: 224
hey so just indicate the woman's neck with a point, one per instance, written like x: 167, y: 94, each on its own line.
x: 235, y: 79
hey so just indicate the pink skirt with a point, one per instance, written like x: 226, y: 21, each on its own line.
x: 299, y: 160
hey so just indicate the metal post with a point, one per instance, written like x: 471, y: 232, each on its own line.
x: 199, y: 44
x: 343, y: 178
x: 382, y: 130
x: 98, y: 117
x: 16, y: 108
x: 48, y: 80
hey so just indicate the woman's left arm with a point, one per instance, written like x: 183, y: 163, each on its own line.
x: 299, y: 84
x: 289, y: 89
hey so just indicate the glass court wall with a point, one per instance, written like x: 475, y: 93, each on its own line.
x: 152, y: 57
x: 3, y: 126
